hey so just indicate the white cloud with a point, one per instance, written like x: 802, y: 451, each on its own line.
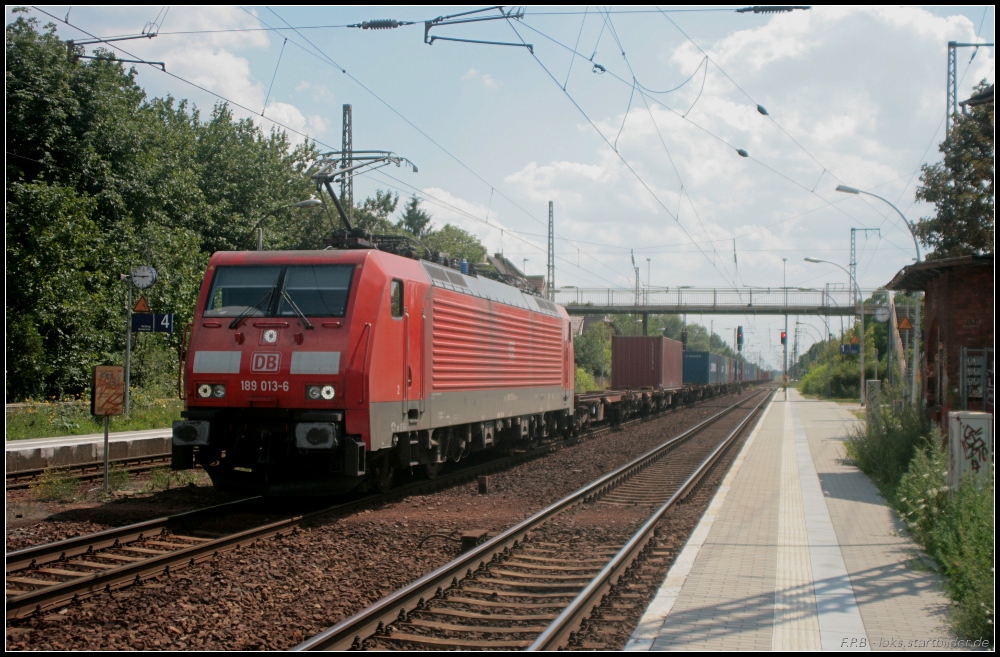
x: 485, y: 79
x: 861, y: 119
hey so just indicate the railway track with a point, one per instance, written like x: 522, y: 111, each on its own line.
x: 49, y: 576
x: 45, y: 577
x: 541, y: 582
x: 20, y: 479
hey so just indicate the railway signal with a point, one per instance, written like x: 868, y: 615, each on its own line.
x: 784, y: 337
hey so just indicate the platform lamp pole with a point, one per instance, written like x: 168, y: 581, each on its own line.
x: 861, y: 311
x: 914, y: 393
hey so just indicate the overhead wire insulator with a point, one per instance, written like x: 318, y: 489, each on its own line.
x: 380, y: 24
x: 742, y: 152
x: 762, y: 110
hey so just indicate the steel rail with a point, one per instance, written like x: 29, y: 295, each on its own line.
x: 24, y: 478
x: 352, y: 632
x: 59, y: 594
x: 561, y: 630
x: 52, y: 596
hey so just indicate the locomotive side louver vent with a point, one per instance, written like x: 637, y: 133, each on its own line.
x: 436, y: 273
x: 455, y: 278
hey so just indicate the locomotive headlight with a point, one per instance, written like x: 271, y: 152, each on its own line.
x: 315, y: 393
x: 204, y: 390
x: 219, y: 391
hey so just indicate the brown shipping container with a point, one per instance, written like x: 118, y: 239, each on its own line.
x: 646, y: 362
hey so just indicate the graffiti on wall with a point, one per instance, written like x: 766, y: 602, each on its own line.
x: 973, y: 446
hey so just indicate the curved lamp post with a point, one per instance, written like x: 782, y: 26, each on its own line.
x: 914, y: 393
x: 861, y: 311
x: 258, y: 228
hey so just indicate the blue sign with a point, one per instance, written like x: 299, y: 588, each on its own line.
x: 850, y: 349
x: 152, y: 323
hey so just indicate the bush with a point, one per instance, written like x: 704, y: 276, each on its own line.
x: 957, y: 532
x: 584, y: 380
x: 963, y: 545
x: 884, y: 446
x: 922, y: 495
x: 55, y: 485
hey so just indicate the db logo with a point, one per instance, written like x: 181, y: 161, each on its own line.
x: 265, y: 362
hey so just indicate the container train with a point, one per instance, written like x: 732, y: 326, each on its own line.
x: 313, y: 372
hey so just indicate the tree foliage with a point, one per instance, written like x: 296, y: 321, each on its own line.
x: 962, y: 187
x: 414, y: 219
x: 457, y: 243
x: 593, y: 350
x: 100, y: 179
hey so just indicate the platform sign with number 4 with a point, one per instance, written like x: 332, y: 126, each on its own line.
x: 152, y: 323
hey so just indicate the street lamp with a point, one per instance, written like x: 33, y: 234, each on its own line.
x: 861, y: 311
x: 914, y: 395
x: 258, y: 228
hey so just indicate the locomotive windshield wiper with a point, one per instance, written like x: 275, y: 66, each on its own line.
x: 250, y: 309
x: 287, y: 297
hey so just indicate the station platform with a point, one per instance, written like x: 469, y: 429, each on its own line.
x: 797, y: 551
x: 75, y: 450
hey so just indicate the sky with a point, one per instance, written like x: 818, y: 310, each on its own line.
x: 632, y: 121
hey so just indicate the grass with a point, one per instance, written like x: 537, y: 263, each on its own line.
x: 55, y: 485
x: 905, y: 458
x: 162, y: 478
x: 45, y: 419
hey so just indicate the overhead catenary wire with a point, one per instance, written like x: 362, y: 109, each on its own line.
x: 712, y: 134
x: 298, y: 132
x: 451, y: 155
x: 624, y: 161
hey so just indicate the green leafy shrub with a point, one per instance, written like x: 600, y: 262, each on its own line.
x: 956, y: 530
x: 922, y: 495
x: 584, y: 380
x: 55, y: 485
x: 884, y: 446
x: 963, y: 543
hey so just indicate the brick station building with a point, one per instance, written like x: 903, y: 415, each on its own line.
x: 958, y: 312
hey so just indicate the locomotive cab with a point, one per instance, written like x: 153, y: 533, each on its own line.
x: 266, y: 384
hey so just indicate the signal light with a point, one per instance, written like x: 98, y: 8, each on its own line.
x: 739, y: 338
x: 684, y: 339
x: 784, y: 337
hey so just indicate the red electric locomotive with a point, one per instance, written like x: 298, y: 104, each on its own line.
x: 317, y: 371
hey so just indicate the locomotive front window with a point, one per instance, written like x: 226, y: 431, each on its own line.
x: 239, y: 290
x: 318, y: 290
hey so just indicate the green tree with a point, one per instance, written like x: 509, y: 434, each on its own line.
x: 373, y: 214
x: 100, y: 179
x: 962, y: 187
x: 457, y: 243
x: 414, y: 219
x: 593, y: 350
